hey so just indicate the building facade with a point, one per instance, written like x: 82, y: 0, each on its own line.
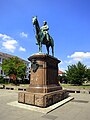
x: 6, y: 56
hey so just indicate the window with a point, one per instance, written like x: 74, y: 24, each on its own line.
x: 1, y: 72
x: 0, y: 59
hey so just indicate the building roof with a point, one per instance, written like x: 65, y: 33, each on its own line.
x: 60, y: 72
x: 5, y: 55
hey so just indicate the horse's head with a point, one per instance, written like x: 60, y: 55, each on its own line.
x: 34, y: 20
x: 36, y: 24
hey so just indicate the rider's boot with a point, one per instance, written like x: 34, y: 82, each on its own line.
x: 36, y: 43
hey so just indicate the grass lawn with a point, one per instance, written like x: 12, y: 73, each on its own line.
x: 20, y: 85
x: 69, y: 86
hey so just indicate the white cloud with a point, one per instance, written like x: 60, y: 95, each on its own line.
x: 84, y: 57
x: 22, y: 49
x: 62, y: 68
x: 22, y: 34
x: 8, y: 42
x: 5, y: 37
x: 80, y: 55
x: 61, y: 63
x: 10, y: 45
x: 68, y: 62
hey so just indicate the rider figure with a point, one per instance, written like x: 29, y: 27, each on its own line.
x: 45, y: 29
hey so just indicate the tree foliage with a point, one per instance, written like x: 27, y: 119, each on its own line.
x: 76, y: 74
x: 88, y: 74
x: 14, y: 68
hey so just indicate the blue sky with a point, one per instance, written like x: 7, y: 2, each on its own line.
x: 69, y: 25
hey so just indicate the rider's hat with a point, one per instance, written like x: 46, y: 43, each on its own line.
x: 44, y: 22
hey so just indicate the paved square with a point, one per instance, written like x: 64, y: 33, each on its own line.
x: 39, y: 109
x: 77, y: 109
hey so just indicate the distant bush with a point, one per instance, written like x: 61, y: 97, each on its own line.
x: 2, y: 80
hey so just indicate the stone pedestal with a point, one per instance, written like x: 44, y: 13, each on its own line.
x: 44, y: 89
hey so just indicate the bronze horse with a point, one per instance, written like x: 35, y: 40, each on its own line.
x: 41, y: 38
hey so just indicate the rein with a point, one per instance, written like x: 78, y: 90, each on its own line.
x: 33, y: 29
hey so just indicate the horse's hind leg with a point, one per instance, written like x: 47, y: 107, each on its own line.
x: 52, y: 51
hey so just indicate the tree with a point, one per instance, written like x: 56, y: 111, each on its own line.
x: 88, y: 74
x: 76, y: 74
x: 14, y: 68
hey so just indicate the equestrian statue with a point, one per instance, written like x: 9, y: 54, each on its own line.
x: 42, y: 36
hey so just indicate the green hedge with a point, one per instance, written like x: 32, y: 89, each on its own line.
x: 2, y: 79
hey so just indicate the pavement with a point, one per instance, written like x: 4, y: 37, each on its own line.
x: 39, y: 109
x: 77, y: 109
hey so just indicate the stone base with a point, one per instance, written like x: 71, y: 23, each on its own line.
x: 43, y: 89
x: 42, y: 99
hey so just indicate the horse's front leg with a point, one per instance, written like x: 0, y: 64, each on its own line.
x: 40, y: 47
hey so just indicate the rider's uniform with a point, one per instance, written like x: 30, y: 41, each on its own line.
x: 45, y: 29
